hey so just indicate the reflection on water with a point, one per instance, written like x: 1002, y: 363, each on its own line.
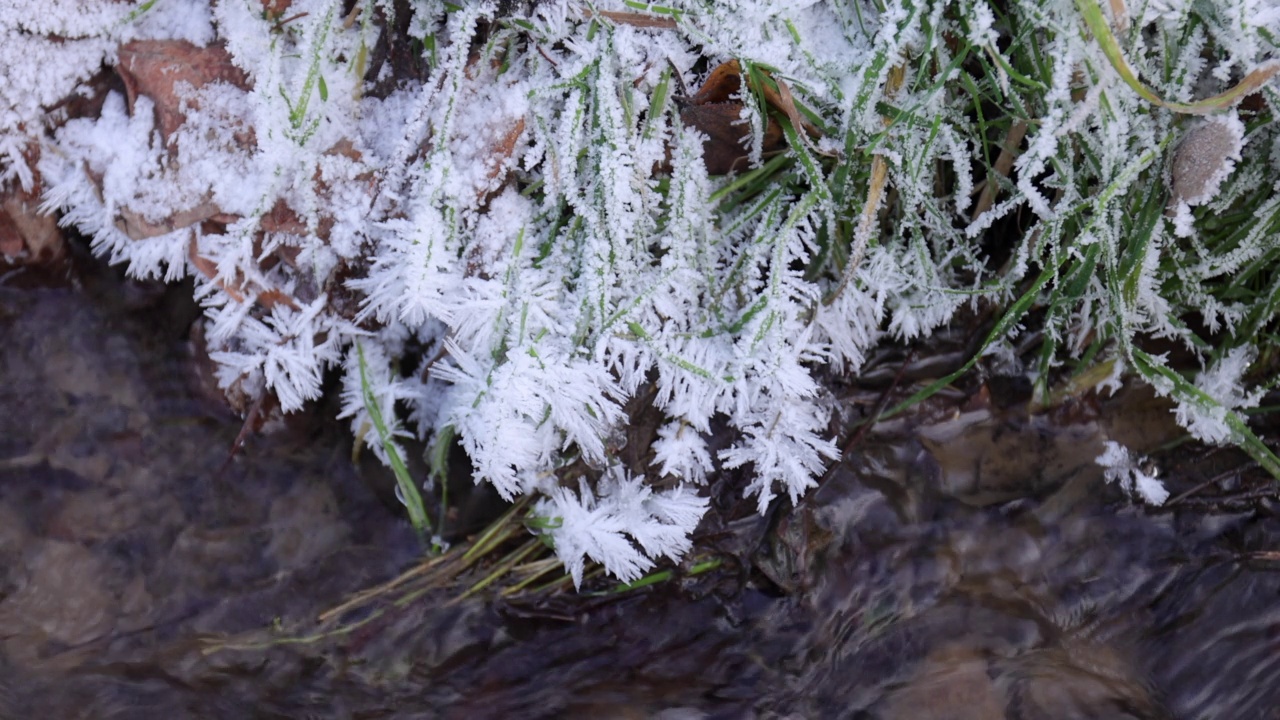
x: 972, y: 566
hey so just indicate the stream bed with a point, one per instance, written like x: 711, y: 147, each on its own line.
x: 973, y: 564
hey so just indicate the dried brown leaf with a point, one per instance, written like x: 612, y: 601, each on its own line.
x: 28, y: 236
x: 716, y: 109
x: 635, y: 19
x: 499, y: 160
x: 155, y: 67
x: 725, y: 150
x: 721, y: 86
x: 138, y: 227
x: 783, y: 101
x: 268, y: 298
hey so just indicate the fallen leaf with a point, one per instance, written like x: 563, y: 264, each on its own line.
x: 634, y: 19
x: 725, y: 149
x: 155, y: 67
x: 782, y: 100
x: 1205, y: 157
x: 275, y: 9
x: 721, y: 86
x: 499, y: 159
x: 237, y: 291
x: 27, y: 236
x: 283, y: 219
x: 138, y: 227
x: 716, y: 109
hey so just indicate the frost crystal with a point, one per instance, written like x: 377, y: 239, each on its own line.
x: 623, y: 524
x: 1120, y: 466
x: 1222, y: 384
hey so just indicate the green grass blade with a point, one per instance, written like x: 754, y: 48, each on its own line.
x: 409, y: 494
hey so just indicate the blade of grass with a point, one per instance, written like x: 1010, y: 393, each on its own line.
x: 409, y: 494
x: 1101, y: 30
x: 1161, y: 375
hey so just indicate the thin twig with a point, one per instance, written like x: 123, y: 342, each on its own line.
x: 1211, y: 481
x: 1269, y: 492
x: 633, y: 19
x: 875, y: 193
x: 1004, y: 163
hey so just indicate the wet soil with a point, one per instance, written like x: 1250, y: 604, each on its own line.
x: 968, y: 564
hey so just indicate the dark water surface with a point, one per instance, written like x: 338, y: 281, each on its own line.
x: 972, y: 566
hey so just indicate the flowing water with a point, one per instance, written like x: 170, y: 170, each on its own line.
x: 966, y: 565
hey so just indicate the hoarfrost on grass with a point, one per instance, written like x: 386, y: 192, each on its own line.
x: 623, y: 524
x: 1222, y: 384
x: 527, y: 239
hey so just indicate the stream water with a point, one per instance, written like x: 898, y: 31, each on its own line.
x: 970, y: 566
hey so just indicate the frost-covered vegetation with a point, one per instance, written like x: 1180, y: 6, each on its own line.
x: 499, y: 223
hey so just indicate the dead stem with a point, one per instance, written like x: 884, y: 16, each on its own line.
x: 879, y: 177
x: 441, y: 569
x: 1004, y: 163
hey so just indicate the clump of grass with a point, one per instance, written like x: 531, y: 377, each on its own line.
x: 1103, y: 269
x: 539, y: 214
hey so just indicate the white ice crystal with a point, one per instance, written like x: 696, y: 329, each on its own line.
x: 1221, y: 382
x: 1121, y: 467
x: 623, y: 524
x: 284, y: 347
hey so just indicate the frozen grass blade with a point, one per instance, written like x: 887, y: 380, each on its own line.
x: 1160, y: 375
x: 875, y: 191
x: 407, y: 489
x: 1101, y: 30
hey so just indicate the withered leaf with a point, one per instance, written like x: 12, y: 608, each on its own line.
x: 721, y: 86
x: 27, y: 236
x: 154, y: 67
x: 138, y: 227
x: 782, y: 100
x: 716, y: 109
x: 634, y: 19
x: 1206, y: 155
x: 267, y: 298
x: 725, y: 148
x: 499, y: 161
